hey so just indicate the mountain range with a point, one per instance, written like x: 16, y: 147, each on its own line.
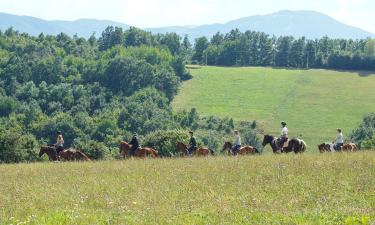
x: 310, y: 24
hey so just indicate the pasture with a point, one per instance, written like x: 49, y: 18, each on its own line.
x: 266, y: 189
x: 314, y: 102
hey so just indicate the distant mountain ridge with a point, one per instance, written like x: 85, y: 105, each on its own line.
x: 310, y: 24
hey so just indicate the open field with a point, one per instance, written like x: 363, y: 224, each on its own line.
x: 266, y: 189
x: 313, y: 102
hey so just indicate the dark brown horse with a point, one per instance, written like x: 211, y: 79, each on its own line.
x: 140, y: 152
x: 68, y: 154
x: 245, y: 150
x: 50, y: 151
x: 294, y: 145
x: 200, y: 151
x: 324, y: 147
x: 71, y: 154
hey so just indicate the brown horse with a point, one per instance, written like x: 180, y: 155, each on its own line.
x: 201, y: 151
x: 245, y: 150
x: 71, y: 154
x: 50, y: 151
x: 140, y: 152
x: 324, y: 147
x: 350, y: 147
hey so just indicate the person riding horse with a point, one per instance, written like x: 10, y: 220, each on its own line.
x: 339, y: 141
x: 283, y: 136
x: 135, y: 144
x: 237, y: 142
x: 59, y: 145
x: 192, y: 143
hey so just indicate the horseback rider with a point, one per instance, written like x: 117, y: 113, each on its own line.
x: 135, y: 144
x: 283, y: 135
x: 59, y: 146
x: 192, y: 143
x: 339, y: 141
x: 237, y: 142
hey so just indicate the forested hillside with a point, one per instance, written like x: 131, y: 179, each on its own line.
x: 96, y: 91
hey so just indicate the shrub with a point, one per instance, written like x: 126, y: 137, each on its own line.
x: 165, y: 140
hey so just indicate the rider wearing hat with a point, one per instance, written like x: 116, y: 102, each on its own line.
x: 283, y: 135
x: 135, y: 144
x: 192, y: 143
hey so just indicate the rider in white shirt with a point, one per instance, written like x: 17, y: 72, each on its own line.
x: 339, y: 141
x: 237, y: 142
x: 283, y: 135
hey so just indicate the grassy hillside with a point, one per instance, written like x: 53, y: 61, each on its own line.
x: 267, y: 189
x: 313, y: 102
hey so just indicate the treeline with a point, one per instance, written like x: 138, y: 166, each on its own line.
x: 259, y: 49
x: 98, y: 92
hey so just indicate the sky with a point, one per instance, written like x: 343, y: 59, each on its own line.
x: 158, y: 13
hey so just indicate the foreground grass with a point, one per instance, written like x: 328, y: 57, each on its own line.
x: 313, y: 102
x: 268, y: 189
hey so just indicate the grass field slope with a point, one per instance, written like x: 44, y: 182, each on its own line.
x: 266, y: 189
x: 313, y: 102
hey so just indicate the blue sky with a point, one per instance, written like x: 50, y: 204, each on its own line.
x: 156, y: 13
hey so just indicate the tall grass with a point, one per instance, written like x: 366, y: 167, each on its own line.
x: 266, y: 189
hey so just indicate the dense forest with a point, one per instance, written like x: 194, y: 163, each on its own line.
x: 259, y: 49
x: 99, y: 91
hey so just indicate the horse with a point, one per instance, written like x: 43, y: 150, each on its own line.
x: 50, y: 151
x: 245, y: 150
x: 296, y: 145
x: 324, y: 147
x: 71, y: 154
x: 200, y: 151
x: 140, y: 152
x: 349, y: 147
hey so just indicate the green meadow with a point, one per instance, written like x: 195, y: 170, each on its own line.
x: 266, y: 189
x: 314, y: 102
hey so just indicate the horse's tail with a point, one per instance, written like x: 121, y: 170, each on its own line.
x: 212, y: 151
x: 256, y: 150
x: 303, y: 145
x: 83, y: 155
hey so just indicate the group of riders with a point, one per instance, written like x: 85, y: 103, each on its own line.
x: 338, y: 142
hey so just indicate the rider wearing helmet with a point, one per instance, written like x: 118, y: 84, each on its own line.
x: 135, y: 144
x: 283, y: 135
x: 339, y: 141
x: 192, y: 143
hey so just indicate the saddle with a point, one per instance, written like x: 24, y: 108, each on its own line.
x: 286, y: 143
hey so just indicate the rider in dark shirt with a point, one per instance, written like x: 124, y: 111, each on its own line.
x: 192, y: 143
x: 135, y: 144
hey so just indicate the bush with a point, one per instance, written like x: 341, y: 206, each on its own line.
x: 165, y: 141
x: 93, y: 149
x: 365, y: 130
x: 369, y: 143
x: 17, y: 147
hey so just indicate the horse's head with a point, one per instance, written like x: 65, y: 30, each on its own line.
x: 227, y: 145
x: 322, y: 147
x: 267, y: 139
x: 42, y: 150
x: 181, y: 146
x: 124, y: 146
